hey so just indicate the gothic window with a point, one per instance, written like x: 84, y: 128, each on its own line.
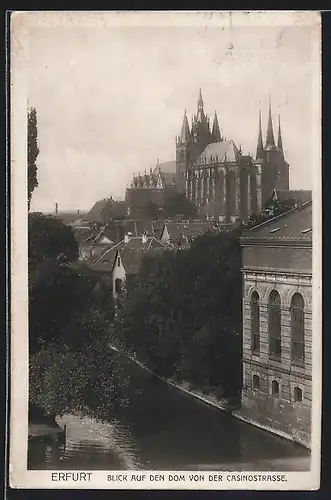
x: 118, y: 286
x: 297, y: 328
x: 274, y: 324
x: 275, y: 388
x: 256, y: 382
x: 297, y: 394
x: 255, y: 323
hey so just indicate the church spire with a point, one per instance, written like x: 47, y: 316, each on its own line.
x: 216, y: 134
x: 280, y: 141
x: 200, y: 101
x: 185, y: 133
x: 270, y: 140
x: 259, y: 148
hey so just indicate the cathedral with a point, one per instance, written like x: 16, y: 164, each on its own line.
x: 220, y: 181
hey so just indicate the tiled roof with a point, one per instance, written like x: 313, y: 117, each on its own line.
x: 131, y: 252
x: 168, y: 167
x: 95, y: 213
x: 296, y: 224
x: 220, y: 152
x: 186, y: 231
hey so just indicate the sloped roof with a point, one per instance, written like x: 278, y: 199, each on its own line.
x: 299, y: 195
x: 131, y: 252
x: 168, y: 167
x: 294, y: 225
x: 220, y: 151
x: 179, y: 231
x: 95, y: 213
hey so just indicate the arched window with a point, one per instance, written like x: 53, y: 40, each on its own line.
x: 297, y: 394
x: 275, y: 388
x: 256, y: 382
x: 274, y: 324
x: 255, y: 323
x: 297, y: 328
x: 118, y: 286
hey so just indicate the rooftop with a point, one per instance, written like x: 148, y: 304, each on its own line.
x: 296, y: 224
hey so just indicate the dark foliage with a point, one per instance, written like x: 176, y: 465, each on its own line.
x: 178, y: 206
x: 183, y: 317
x: 33, y: 152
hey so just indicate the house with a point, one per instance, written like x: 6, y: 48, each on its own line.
x: 106, y: 210
x: 120, y: 263
x: 277, y: 323
x: 181, y: 234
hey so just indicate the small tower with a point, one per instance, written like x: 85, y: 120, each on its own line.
x: 183, y: 144
x: 216, y: 134
x: 279, y: 141
x: 259, y: 147
x: 270, y: 139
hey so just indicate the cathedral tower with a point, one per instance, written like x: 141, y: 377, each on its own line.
x: 183, y: 146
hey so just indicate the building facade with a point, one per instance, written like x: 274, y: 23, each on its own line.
x: 277, y: 324
x: 222, y: 182
x: 155, y: 187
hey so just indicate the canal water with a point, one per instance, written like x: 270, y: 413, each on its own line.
x: 165, y: 429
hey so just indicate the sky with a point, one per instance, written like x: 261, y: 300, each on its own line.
x: 110, y: 98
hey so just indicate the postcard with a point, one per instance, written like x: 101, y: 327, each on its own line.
x: 165, y: 172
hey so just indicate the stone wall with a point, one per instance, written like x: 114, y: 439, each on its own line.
x: 280, y: 412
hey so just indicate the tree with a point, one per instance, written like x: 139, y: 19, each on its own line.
x: 33, y: 152
x: 49, y: 238
x: 151, y: 210
x: 193, y: 299
x: 178, y: 205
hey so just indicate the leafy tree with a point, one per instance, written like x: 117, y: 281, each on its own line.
x: 33, y: 152
x: 178, y: 205
x: 193, y: 298
x: 151, y: 210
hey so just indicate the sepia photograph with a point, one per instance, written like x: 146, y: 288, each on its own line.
x: 165, y: 249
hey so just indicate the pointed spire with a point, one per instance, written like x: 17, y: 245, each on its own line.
x: 259, y: 148
x: 185, y: 133
x: 280, y: 141
x: 270, y: 140
x: 216, y: 134
x: 200, y: 101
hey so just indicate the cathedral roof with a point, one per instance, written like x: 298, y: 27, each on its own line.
x: 220, y: 152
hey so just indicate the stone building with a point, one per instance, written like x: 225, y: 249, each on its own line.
x: 155, y: 187
x: 222, y: 182
x: 277, y: 324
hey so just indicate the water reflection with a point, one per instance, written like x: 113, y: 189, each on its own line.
x: 163, y: 428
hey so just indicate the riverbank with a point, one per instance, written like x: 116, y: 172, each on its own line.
x: 43, y: 427
x: 223, y: 406
x: 215, y: 402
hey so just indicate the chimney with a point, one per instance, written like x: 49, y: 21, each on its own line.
x: 78, y: 212
x: 56, y: 209
x: 127, y: 237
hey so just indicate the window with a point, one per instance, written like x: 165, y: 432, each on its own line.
x: 297, y: 394
x: 118, y: 286
x: 256, y: 382
x: 274, y: 324
x: 275, y: 388
x: 255, y: 323
x: 297, y: 328
x: 118, y: 262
